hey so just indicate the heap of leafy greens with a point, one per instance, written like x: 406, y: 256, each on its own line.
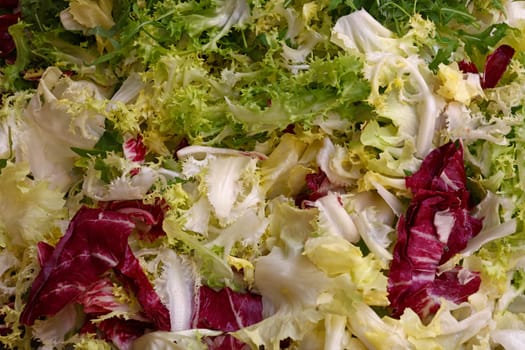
x: 262, y: 174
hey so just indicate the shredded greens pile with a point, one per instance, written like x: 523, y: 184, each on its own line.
x: 253, y: 166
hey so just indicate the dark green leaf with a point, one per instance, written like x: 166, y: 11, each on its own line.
x: 107, y: 173
x: 87, y: 152
x: 43, y: 14
x: 111, y: 140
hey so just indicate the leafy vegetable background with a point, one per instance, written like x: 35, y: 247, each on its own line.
x: 261, y: 169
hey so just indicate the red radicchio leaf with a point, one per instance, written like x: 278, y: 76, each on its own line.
x: 495, y: 65
x: 148, y: 217
x: 465, y: 227
x: 45, y: 250
x: 132, y: 275
x: 227, y: 311
x: 290, y: 129
x: 441, y: 170
x: 456, y: 285
x: 468, y: 67
x: 95, y: 242
x: 424, y: 242
x: 450, y: 285
x: 317, y: 185
x: 98, y: 299
x: 122, y: 333
x: 8, y: 4
x: 7, y: 44
x: 134, y: 149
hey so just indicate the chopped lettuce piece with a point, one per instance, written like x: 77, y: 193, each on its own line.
x: 362, y: 32
x: 212, y: 265
x: 62, y: 114
x: 278, y: 276
x: 280, y: 328
x: 335, y: 256
x: 91, y: 14
x: 176, y: 285
x: 458, y: 86
x: 283, y: 173
x: 334, y: 219
x: 30, y: 209
x: 52, y: 331
x: 116, y: 178
x: 446, y: 330
x: 182, y: 340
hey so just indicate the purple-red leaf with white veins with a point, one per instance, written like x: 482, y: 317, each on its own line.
x: 122, y: 332
x: 148, y: 218
x: 227, y: 311
x: 95, y: 242
x: 134, y: 149
x: 45, y: 250
x: 99, y: 298
x: 317, y: 186
x: 436, y: 226
x: 468, y: 67
x: 131, y: 274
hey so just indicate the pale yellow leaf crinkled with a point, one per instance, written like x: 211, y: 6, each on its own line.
x: 29, y: 209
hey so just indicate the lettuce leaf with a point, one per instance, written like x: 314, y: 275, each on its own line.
x: 175, y: 281
x: 335, y: 256
x: 30, y: 209
x: 91, y: 14
x: 62, y: 114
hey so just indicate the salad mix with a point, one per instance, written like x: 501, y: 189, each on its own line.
x: 262, y: 174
